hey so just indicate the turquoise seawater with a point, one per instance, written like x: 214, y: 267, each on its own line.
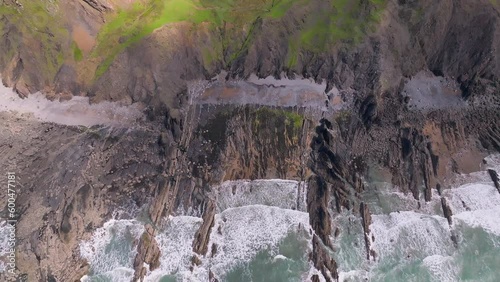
x: 476, y: 257
x: 289, y: 263
x: 411, y: 239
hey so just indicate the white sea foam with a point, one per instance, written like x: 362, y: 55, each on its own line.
x: 5, y: 230
x: 408, y: 240
x: 279, y: 257
x: 118, y: 274
x: 487, y: 219
x: 76, y: 111
x: 176, y: 245
x: 477, y: 204
x: 493, y: 162
x: 275, y: 192
x: 255, y: 216
x: 353, y: 275
x: 442, y: 268
x: 247, y: 230
x: 111, y: 250
x: 409, y: 234
x: 471, y: 197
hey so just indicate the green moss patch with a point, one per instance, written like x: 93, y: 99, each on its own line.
x: 77, y: 53
x: 343, y: 21
x: 329, y: 22
x: 279, y: 124
x: 336, y: 21
x: 130, y: 25
x: 234, y: 25
x: 288, y: 118
x: 41, y: 26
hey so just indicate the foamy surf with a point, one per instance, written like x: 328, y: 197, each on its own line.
x: 415, y: 243
x: 247, y: 230
x: 5, y: 231
x: 261, y: 232
x: 176, y: 244
x: 111, y: 251
x: 285, y: 194
x: 253, y: 228
x: 487, y: 219
x: 239, y: 236
x: 442, y: 268
x: 408, y: 234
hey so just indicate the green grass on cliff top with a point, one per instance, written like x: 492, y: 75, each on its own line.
x: 345, y: 21
x: 129, y: 26
x: 342, y: 20
x: 41, y: 28
x: 334, y: 21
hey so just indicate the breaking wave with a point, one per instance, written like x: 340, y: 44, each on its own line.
x: 262, y: 233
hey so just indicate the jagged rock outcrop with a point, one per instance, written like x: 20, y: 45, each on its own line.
x: 446, y: 211
x: 421, y: 96
x: 202, y: 236
x: 148, y: 253
x: 71, y: 180
x: 209, y: 144
x: 366, y: 222
x: 317, y: 205
x: 97, y: 5
x: 494, y: 177
x: 323, y: 261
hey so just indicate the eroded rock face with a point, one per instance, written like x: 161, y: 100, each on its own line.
x: 202, y: 236
x: 455, y: 40
x: 420, y: 149
x: 323, y: 261
x: 171, y: 162
x: 366, y: 222
x: 494, y: 177
x: 71, y: 180
x: 216, y: 143
x: 397, y: 81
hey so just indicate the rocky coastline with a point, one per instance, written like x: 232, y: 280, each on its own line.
x: 415, y: 102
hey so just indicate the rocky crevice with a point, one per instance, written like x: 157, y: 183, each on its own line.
x: 366, y: 222
x: 202, y: 145
x: 97, y: 5
x: 317, y: 205
x: 202, y: 236
x: 494, y: 177
x: 322, y: 260
x: 198, y: 148
x: 72, y: 180
x: 164, y: 200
